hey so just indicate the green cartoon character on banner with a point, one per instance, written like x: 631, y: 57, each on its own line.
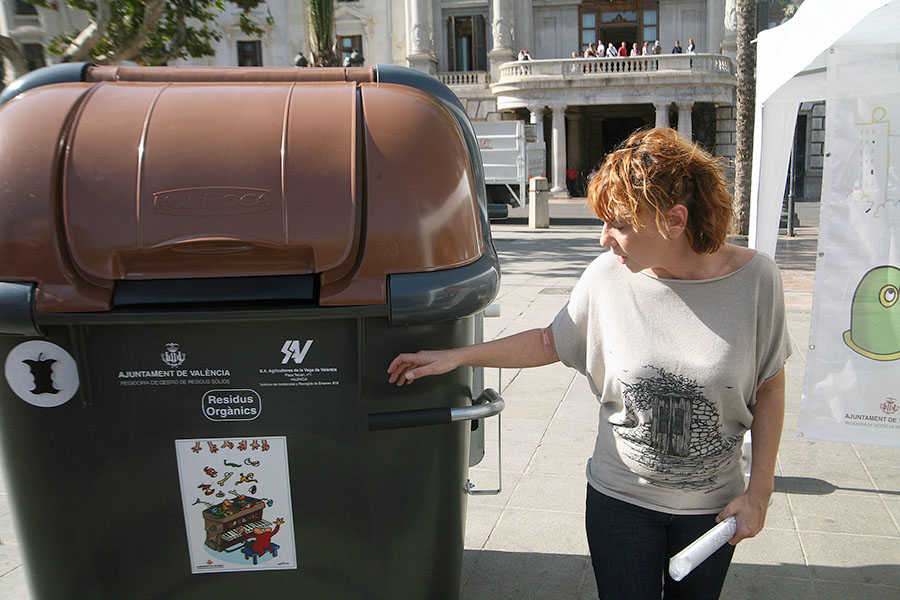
x: 875, y: 315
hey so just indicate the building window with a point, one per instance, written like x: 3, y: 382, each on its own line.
x: 249, y: 54
x: 34, y: 56
x: 650, y: 26
x: 25, y: 8
x: 349, y: 43
x: 617, y: 21
x: 465, y: 38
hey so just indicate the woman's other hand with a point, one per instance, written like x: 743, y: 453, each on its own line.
x: 750, y: 512
x: 406, y: 368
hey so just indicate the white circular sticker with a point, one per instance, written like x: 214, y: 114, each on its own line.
x: 41, y: 373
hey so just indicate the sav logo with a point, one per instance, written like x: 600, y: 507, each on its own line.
x: 173, y: 356
x: 889, y: 406
x: 291, y: 350
x: 212, y: 201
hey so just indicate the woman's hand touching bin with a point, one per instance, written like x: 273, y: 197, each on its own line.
x: 532, y: 348
x: 406, y: 368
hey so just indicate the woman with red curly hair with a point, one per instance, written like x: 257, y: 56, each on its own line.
x: 682, y: 337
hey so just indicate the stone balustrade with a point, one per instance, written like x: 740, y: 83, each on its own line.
x: 456, y: 78
x: 571, y: 68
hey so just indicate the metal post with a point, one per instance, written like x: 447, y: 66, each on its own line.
x: 790, y: 198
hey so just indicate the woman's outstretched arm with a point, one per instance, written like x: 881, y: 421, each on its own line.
x: 532, y: 348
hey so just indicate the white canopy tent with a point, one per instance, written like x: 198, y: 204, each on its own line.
x: 791, y: 68
x: 849, y: 55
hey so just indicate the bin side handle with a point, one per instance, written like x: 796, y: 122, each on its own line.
x: 471, y: 488
x: 488, y: 404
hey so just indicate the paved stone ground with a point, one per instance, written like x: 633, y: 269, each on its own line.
x: 832, y: 530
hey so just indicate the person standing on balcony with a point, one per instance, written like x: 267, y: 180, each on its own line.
x: 645, y: 51
x: 634, y: 50
x: 683, y: 339
x: 657, y: 48
x: 611, y: 51
x: 601, y: 49
x: 677, y: 49
x: 692, y: 48
x: 623, y: 49
x: 589, y: 52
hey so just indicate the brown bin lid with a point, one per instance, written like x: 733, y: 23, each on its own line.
x: 211, y: 180
x: 147, y: 180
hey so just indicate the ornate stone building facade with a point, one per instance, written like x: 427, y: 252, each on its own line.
x: 586, y: 105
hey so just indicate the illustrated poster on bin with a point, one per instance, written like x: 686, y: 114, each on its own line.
x: 237, y: 503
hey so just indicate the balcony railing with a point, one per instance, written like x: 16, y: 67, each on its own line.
x: 479, y: 78
x: 603, y: 67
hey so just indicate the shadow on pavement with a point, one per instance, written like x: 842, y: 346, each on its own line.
x: 818, y: 487
x: 495, y: 575
x: 562, y: 257
x: 555, y: 221
x: 786, y: 580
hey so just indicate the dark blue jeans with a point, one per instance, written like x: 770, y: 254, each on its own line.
x: 631, y: 546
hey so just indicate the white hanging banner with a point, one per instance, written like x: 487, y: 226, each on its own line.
x: 852, y: 387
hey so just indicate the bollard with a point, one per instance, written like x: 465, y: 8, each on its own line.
x: 538, y: 203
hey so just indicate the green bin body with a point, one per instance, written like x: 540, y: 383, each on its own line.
x: 206, y: 414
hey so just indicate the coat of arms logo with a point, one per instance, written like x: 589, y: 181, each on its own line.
x: 889, y: 406
x: 173, y: 356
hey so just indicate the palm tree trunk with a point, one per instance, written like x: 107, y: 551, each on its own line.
x: 15, y: 62
x: 321, y: 33
x: 746, y: 101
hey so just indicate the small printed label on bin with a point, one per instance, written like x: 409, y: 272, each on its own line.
x: 236, y: 497
x: 175, y: 367
x: 231, y: 405
x: 41, y: 373
x: 294, y: 372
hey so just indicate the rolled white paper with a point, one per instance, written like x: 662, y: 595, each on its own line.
x: 687, y: 560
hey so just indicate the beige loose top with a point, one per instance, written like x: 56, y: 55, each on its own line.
x: 675, y: 365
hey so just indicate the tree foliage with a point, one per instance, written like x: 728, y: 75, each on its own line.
x: 148, y: 33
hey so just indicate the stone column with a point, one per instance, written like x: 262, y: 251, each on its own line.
x: 729, y: 42
x: 537, y: 114
x: 421, y: 39
x: 559, y: 152
x: 662, y: 114
x: 573, y: 135
x: 502, y: 28
x: 525, y: 11
x: 715, y: 19
x: 684, y: 120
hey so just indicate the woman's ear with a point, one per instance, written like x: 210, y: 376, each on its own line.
x: 676, y: 220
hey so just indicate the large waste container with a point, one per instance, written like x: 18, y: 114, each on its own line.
x: 204, y: 274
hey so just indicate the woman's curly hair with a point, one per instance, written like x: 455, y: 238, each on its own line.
x: 653, y: 170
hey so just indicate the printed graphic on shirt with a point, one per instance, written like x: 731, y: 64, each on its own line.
x: 671, y: 432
